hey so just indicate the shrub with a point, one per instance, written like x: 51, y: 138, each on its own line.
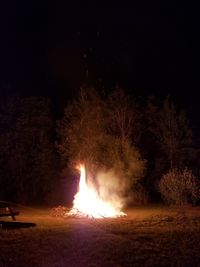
x: 179, y: 187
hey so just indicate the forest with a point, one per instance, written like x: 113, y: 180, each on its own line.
x: 148, y: 142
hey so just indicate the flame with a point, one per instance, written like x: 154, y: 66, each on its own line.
x: 87, y: 201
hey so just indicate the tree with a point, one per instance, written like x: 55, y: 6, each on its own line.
x: 97, y: 132
x: 173, y: 133
x: 124, y: 117
x: 150, y: 146
x: 81, y: 129
x: 123, y: 124
x: 26, y: 148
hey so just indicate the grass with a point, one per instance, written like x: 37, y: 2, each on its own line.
x: 148, y: 236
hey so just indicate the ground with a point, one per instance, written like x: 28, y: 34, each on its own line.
x: 147, y: 236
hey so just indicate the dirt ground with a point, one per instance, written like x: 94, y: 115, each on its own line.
x: 147, y: 236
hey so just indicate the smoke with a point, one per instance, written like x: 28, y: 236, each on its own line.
x: 112, y: 188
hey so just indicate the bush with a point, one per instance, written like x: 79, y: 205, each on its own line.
x: 179, y: 187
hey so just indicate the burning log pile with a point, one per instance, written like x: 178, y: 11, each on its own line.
x: 65, y: 212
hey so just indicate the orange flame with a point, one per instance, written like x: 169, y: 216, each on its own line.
x: 87, y: 201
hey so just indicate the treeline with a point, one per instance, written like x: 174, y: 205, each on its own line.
x: 27, y: 152
x: 148, y: 144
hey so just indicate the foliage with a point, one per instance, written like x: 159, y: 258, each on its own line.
x: 96, y: 130
x: 80, y: 130
x: 172, y: 132
x: 26, y: 149
x: 124, y: 116
x: 179, y: 187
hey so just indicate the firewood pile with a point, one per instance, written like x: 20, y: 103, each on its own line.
x: 59, y: 211
x: 64, y: 212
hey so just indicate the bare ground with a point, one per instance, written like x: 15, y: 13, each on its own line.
x: 148, y: 236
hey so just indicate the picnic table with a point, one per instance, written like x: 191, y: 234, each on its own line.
x: 7, y: 210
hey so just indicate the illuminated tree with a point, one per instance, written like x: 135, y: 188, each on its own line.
x: 81, y: 129
x: 123, y: 124
x: 97, y: 130
x: 124, y: 118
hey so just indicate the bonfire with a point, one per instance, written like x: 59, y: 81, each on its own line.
x: 88, y: 203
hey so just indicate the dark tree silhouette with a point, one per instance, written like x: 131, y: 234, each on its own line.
x: 26, y: 148
x: 173, y: 133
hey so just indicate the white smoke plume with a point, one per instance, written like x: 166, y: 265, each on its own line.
x: 111, y: 188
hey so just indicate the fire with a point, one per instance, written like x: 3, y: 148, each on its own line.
x: 87, y: 201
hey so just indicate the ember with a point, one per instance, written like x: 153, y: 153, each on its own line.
x: 88, y: 203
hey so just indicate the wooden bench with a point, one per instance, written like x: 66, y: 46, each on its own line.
x: 7, y: 210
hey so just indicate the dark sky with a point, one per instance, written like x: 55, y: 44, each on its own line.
x: 147, y: 47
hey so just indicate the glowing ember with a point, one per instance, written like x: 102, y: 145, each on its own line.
x: 87, y: 201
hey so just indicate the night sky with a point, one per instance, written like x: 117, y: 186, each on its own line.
x: 146, y: 47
